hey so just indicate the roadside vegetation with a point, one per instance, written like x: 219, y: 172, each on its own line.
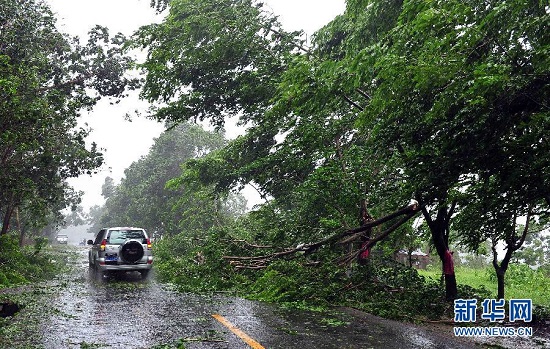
x: 522, y: 281
x: 382, y: 287
x: 47, y: 79
x: 401, y: 125
x: 23, y: 265
x: 23, y: 273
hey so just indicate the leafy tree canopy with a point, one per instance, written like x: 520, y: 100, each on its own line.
x: 211, y: 59
x: 153, y: 196
x: 46, y: 80
x: 442, y: 101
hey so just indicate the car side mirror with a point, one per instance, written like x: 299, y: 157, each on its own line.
x: 90, y: 242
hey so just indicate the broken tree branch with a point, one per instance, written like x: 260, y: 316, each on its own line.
x: 348, y: 259
x: 347, y: 99
x: 412, y: 208
x: 259, y: 262
x: 363, y: 93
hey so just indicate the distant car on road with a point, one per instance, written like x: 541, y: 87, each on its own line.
x: 121, y: 249
x: 62, y: 239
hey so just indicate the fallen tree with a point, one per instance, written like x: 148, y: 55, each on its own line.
x: 345, y: 237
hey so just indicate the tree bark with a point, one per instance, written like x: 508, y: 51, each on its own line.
x: 451, y: 292
x: 21, y: 238
x: 500, y: 282
x: 6, y: 220
x: 501, y: 269
x: 21, y: 232
x: 439, y: 228
x: 512, y: 245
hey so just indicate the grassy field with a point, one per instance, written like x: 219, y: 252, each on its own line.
x: 520, y: 281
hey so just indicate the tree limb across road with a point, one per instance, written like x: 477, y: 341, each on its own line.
x: 348, y: 236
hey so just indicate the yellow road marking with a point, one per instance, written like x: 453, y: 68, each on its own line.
x: 251, y: 342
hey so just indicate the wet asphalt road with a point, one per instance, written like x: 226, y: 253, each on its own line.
x: 128, y: 312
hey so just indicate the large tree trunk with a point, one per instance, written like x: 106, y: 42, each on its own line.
x: 10, y: 206
x: 501, y: 269
x: 19, y: 228
x: 439, y: 228
x: 500, y: 282
x: 513, y: 243
x: 6, y: 220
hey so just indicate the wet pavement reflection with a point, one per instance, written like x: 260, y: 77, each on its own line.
x: 129, y: 312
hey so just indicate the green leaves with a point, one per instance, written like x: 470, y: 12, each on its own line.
x: 46, y: 80
x: 454, y: 79
x: 156, y: 195
x: 443, y: 101
x: 211, y: 59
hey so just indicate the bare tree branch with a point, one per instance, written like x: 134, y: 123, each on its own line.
x: 414, y: 207
x: 347, y: 99
x: 363, y: 93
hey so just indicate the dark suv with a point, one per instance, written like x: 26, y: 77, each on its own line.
x: 121, y: 249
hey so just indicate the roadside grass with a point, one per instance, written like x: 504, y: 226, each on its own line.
x: 520, y: 281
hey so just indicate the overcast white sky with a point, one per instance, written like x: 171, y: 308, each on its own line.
x: 110, y: 129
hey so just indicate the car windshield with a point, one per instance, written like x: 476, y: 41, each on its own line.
x: 120, y: 236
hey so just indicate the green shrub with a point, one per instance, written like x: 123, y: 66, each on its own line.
x: 22, y: 265
x: 382, y: 287
x: 3, y: 280
x: 290, y: 282
x: 197, y: 264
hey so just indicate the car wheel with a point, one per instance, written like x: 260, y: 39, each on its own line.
x: 144, y: 273
x: 95, y: 273
x: 131, y: 251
